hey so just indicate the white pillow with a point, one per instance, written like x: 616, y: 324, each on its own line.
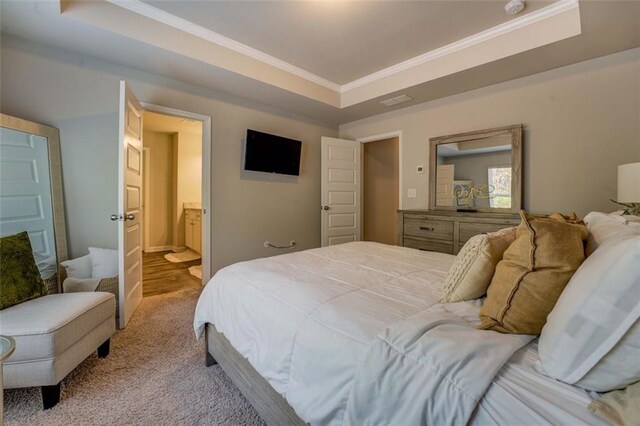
x: 78, y: 268
x: 592, y: 335
x: 104, y: 262
x: 602, y: 226
x: 471, y: 272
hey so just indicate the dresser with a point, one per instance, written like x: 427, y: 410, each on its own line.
x: 447, y: 231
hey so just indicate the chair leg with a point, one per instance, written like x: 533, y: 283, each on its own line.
x: 209, y: 360
x: 50, y: 396
x: 103, y: 349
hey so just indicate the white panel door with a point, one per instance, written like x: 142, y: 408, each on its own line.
x: 25, y: 199
x: 130, y: 204
x: 341, y: 189
x: 444, y: 185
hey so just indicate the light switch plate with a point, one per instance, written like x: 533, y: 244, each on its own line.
x: 420, y: 169
x: 411, y: 193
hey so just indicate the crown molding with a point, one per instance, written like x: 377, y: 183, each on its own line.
x: 531, y: 18
x: 158, y: 15
x: 148, y: 11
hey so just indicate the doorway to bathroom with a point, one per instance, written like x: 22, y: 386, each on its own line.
x: 173, y: 219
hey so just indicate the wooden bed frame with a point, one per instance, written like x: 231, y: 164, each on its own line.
x: 271, y: 406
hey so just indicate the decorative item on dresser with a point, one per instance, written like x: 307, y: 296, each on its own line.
x: 446, y: 232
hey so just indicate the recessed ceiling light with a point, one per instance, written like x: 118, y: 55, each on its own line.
x: 514, y: 7
x: 397, y: 100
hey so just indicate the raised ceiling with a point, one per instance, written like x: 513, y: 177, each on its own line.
x: 141, y: 36
x: 343, y: 41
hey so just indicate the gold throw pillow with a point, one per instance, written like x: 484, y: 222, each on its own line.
x: 619, y: 408
x: 532, y: 274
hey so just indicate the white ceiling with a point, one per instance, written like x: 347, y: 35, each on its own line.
x: 606, y: 27
x: 342, y: 41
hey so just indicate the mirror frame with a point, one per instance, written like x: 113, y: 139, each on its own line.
x: 515, y: 131
x: 55, y: 172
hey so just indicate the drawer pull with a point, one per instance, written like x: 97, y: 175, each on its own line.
x: 426, y: 228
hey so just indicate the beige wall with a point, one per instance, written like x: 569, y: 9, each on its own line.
x: 581, y: 122
x: 79, y: 95
x: 380, y: 168
x: 187, y: 175
x: 160, y: 187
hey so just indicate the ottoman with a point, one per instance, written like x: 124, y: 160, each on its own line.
x: 53, y: 334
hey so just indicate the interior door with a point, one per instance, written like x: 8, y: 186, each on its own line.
x: 130, y: 204
x: 341, y: 189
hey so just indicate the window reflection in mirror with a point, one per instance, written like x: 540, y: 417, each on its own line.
x: 474, y: 174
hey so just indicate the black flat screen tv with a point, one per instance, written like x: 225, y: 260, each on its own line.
x: 272, y: 154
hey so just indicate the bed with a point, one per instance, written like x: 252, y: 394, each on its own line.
x: 292, y: 332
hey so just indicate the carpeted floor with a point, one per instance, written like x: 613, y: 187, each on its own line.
x: 155, y: 374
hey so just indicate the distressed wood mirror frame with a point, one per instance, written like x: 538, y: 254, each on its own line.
x: 55, y: 171
x: 515, y: 131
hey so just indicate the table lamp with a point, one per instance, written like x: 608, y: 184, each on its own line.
x: 629, y: 188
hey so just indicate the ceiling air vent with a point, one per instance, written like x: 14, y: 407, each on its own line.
x: 397, y: 100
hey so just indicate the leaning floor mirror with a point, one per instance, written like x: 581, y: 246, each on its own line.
x: 31, y: 193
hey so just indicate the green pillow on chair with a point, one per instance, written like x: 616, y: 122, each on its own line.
x: 20, y: 279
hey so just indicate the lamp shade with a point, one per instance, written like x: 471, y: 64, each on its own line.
x: 629, y: 183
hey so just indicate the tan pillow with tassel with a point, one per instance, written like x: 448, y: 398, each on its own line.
x: 532, y: 274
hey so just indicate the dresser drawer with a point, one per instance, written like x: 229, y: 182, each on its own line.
x: 429, y: 228
x: 428, y: 244
x: 468, y: 230
x: 192, y: 214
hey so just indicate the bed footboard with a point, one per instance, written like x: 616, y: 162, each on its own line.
x: 271, y: 406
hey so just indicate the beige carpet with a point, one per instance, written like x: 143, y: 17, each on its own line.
x: 155, y: 375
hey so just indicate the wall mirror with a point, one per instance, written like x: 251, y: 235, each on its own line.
x: 31, y: 192
x: 477, y: 171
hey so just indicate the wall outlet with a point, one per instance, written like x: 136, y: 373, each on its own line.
x: 412, y: 193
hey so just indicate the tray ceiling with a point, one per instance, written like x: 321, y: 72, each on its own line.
x: 169, y: 46
x: 342, y: 41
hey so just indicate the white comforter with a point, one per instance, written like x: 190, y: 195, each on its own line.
x: 305, y: 321
x: 432, y: 368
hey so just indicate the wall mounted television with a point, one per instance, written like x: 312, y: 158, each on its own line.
x: 272, y: 154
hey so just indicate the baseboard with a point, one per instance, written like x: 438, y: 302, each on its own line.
x: 158, y: 248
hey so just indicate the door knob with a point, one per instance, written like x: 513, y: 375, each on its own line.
x: 115, y: 217
x: 129, y: 217
x: 325, y: 207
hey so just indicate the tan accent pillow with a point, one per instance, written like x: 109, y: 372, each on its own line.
x: 532, y: 274
x: 619, y: 408
x: 471, y: 272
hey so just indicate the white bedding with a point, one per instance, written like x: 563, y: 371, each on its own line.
x: 304, y: 321
x: 432, y: 368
